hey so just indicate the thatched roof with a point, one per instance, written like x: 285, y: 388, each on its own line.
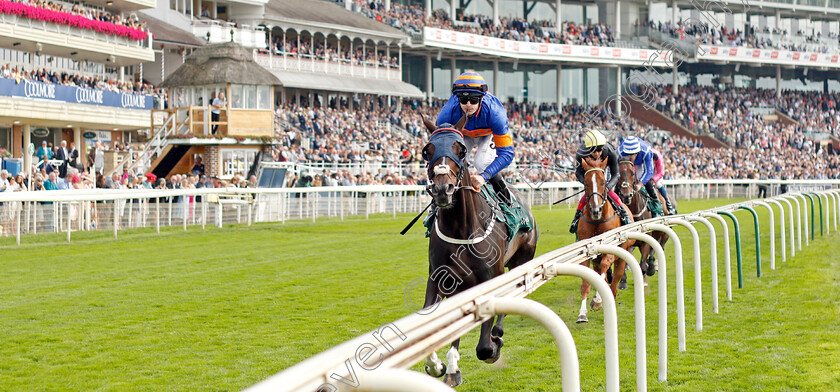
x: 218, y: 64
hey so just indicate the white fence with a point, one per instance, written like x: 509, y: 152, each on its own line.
x: 111, y: 210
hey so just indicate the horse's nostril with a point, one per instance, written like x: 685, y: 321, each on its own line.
x: 450, y: 188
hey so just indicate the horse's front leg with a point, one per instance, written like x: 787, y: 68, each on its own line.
x: 453, y: 373
x: 434, y: 366
x: 489, y: 347
x: 618, y: 272
x: 584, y: 293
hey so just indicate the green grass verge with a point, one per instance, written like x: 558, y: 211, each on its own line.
x: 222, y: 309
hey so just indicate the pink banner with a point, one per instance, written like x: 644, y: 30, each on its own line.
x: 66, y: 18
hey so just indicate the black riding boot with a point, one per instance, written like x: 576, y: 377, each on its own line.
x: 654, y: 198
x: 573, y: 228
x: 670, y: 207
x: 430, y: 219
x: 501, y: 189
x: 622, y: 212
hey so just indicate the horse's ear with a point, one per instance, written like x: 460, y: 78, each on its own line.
x: 428, y: 151
x: 603, y: 163
x: 429, y: 125
x: 585, y: 163
x: 461, y: 123
x: 460, y: 150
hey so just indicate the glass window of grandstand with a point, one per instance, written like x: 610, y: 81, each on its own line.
x: 237, y: 162
x: 5, y: 140
x: 196, y: 96
x: 248, y: 96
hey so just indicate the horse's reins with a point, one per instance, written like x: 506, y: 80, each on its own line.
x: 634, y: 189
x: 603, y: 200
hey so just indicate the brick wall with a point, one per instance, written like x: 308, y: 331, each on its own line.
x: 212, y: 164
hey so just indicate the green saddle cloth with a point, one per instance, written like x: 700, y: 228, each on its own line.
x: 515, y: 217
x: 654, y: 205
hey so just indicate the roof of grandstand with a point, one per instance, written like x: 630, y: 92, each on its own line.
x: 223, y: 63
x: 168, y: 33
x: 308, y: 12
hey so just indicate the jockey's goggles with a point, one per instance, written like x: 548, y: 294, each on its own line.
x: 473, y: 99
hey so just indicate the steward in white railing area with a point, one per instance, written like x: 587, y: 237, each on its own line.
x: 368, y: 362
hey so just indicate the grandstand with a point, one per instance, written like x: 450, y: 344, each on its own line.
x: 354, y: 76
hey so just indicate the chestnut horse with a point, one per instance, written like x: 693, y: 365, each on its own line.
x: 598, y: 217
x: 467, y: 245
x: 630, y: 193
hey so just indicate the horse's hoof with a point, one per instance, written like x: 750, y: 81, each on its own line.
x: 453, y: 379
x: 596, y: 305
x: 582, y: 319
x: 622, y: 285
x: 432, y: 373
x: 499, y: 343
x: 651, y: 269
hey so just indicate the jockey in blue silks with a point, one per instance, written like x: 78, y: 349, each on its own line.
x: 486, y: 130
x: 650, y: 167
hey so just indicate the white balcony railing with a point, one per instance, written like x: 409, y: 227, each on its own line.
x: 218, y: 31
x: 74, y: 31
x: 315, y: 65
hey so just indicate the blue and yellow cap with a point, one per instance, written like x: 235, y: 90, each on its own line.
x: 470, y: 81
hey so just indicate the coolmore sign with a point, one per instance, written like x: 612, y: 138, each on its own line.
x: 72, y: 94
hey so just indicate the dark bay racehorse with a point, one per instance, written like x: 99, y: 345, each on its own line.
x: 598, y: 217
x: 467, y: 245
x: 630, y: 193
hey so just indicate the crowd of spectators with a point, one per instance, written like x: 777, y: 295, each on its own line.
x: 360, y: 147
x: 750, y: 37
x: 736, y: 116
x: 411, y: 19
x: 286, y: 46
x: 77, y: 16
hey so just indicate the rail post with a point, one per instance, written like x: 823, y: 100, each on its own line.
x: 678, y: 271
x: 737, y: 246
x: 726, y: 257
x: 713, y: 257
x: 798, y: 221
x: 569, y: 363
x: 819, y: 200
x: 812, y: 217
x: 772, y: 234
x: 757, y: 239
x: 610, y: 315
x: 791, y: 228
x: 639, y: 309
x: 781, y: 225
x: 663, y: 299
x: 698, y: 288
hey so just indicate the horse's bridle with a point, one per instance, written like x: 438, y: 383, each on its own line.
x: 626, y: 185
x: 593, y: 193
x: 441, y: 169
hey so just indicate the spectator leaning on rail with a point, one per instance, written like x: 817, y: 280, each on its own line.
x: 650, y: 167
x: 486, y: 130
x: 595, y: 146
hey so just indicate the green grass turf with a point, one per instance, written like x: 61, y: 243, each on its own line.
x: 219, y: 310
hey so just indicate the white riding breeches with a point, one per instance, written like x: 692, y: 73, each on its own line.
x: 484, y: 154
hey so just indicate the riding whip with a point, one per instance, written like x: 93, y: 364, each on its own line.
x: 567, y: 197
x: 413, y: 221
